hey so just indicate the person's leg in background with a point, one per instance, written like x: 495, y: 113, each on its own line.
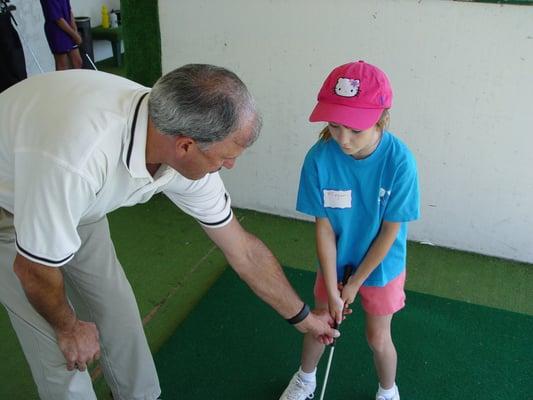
x: 75, y: 58
x: 62, y: 61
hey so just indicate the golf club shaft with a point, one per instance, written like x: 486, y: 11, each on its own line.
x: 91, y: 61
x: 331, y: 350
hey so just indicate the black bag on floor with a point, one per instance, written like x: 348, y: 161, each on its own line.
x: 12, y: 62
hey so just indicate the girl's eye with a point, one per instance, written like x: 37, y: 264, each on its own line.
x: 356, y: 132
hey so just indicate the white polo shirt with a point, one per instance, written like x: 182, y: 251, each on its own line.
x: 72, y: 149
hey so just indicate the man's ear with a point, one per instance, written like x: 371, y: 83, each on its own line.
x: 184, y: 145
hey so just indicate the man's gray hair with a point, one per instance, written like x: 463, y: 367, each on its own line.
x: 203, y: 102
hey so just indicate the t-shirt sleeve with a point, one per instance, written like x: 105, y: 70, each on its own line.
x: 310, y: 199
x: 404, y: 202
x: 53, y: 10
x: 50, y: 200
x: 205, y: 199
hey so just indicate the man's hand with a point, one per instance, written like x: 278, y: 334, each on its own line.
x: 79, y: 345
x: 45, y: 290
x: 320, y: 324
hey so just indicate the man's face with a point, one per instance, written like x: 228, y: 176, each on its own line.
x: 218, y: 155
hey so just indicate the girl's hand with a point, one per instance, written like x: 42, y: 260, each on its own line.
x: 349, y: 291
x: 336, y: 308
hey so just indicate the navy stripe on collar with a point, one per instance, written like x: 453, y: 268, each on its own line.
x: 133, y: 124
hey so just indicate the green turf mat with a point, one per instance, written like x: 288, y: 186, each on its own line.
x: 233, y: 346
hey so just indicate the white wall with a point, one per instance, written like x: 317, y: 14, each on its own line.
x: 463, y: 78
x: 29, y: 16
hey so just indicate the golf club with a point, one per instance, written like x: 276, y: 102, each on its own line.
x: 90, y: 61
x: 347, y: 273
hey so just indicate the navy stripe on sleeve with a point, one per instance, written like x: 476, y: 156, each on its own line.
x: 42, y: 259
x: 218, y: 222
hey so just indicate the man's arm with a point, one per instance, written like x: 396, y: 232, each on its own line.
x: 257, y: 266
x: 45, y: 289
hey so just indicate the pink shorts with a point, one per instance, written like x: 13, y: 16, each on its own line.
x: 376, y: 300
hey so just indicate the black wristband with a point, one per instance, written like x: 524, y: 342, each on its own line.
x: 304, y: 312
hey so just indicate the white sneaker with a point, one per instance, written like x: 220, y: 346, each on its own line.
x: 298, y: 389
x: 395, y: 397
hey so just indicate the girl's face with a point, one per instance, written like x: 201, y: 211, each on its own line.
x: 355, y: 143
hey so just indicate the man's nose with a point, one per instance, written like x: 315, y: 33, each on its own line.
x: 229, y: 164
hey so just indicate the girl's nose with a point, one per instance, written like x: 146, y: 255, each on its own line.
x: 344, y: 137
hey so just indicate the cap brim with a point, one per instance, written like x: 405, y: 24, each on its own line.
x: 355, y: 118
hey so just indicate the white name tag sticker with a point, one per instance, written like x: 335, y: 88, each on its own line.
x: 338, y: 198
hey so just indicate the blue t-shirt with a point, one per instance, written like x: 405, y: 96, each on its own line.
x: 358, y: 195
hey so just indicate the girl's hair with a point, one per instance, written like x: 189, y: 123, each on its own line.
x: 381, y: 124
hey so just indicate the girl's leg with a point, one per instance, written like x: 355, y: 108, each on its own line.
x: 303, y: 383
x: 62, y: 61
x: 75, y: 58
x: 378, y: 335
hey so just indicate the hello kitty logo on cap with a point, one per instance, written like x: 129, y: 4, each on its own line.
x: 354, y: 95
x: 347, y: 87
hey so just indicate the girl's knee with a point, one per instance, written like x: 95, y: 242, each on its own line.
x: 379, y: 340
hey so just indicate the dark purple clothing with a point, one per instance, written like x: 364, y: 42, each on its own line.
x: 58, y: 40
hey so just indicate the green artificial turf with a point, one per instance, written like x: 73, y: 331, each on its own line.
x: 109, y: 65
x: 171, y: 264
x: 234, y: 347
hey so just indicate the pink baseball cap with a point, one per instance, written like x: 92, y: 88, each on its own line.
x: 354, y: 95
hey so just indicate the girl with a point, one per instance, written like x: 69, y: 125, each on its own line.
x: 360, y: 183
x: 62, y: 34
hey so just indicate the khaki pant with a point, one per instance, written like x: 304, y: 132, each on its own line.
x: 99, y: 292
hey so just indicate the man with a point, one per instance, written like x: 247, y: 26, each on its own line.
x: 79, y: 144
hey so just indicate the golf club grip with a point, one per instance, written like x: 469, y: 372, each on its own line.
x: 347, y: 273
